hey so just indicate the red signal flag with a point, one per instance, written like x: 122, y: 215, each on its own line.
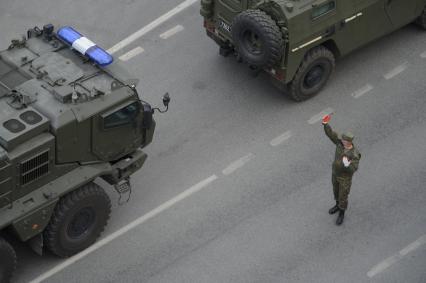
x: 326, y: 118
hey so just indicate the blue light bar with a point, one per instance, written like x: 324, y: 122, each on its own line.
x: 85, y: 46
x: 69, y: 35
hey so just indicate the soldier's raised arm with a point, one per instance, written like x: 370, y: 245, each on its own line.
x: 328, y: 131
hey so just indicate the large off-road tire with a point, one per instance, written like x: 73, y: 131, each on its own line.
x: 8, y: 261
x: 421, y: 20
x: 313, y: 73
x: 78, y: 220
x: 257, y: 38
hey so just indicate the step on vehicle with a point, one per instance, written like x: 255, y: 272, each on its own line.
x: 69, y: 114
x: 298, y: 41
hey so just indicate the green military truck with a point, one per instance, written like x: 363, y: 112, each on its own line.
x: 68, y: 115
x: 297, y: 41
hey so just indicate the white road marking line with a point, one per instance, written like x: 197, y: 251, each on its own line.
x: 383, y: 266
x: 132, y: 53
x: 396, y: 71
x: 194, y: 189
x: 280, y: 139
x: 423, y: 55
x: 316, y: 118
x: 234, y: 166
x: 364, y: 90
x: 395, y: 258
x: 172, y: 32
x: 413, y: 246
x: 131, y: 38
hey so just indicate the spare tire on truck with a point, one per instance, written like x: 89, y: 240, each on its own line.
x: 7, y: 261
x: 257, y: 38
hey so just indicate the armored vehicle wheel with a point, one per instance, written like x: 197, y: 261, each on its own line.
x: 78, y: 220
x: 8, y: 261
x: 421, y: 20
x: 257, y: 38
x: 313, y: 73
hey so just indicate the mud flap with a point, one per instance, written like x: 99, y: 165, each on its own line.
x: 36, y: 243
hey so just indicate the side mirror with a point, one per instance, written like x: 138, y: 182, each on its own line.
x: 166, y: 99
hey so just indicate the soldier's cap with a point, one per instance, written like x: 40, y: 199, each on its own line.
x: 348, y: 136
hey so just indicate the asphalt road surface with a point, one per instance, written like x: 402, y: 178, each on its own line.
x: 238, y: 181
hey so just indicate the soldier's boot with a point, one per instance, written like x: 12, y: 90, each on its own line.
x: 334, y: 209
x: 340, y: 218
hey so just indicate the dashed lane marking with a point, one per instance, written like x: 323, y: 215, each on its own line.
x: 172, y: 32
x: 280, y: 139
x: 382, y: 266
x: 132, y: 53
x: 192, y: 190
x: 413, y: 246
x: 234, y: 166
x: 395, y: 71
x: 364, y: 90
x: 135, y: 36
x: 316, y: 118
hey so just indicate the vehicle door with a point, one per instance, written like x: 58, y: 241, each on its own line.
x: 116, y: 132
x: 368, y: 22
x: 401, y: 12
x: 226, y: 10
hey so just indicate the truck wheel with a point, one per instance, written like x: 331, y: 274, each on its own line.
x: 78, y: 220
x: 421, y: 20
x: 257, y: 38
x: 313, y: 73
x: 8, y: 261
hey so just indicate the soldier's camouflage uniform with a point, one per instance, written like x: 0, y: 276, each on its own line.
x: 342, y: 176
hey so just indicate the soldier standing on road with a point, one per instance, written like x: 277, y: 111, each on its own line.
x: 345, y: 164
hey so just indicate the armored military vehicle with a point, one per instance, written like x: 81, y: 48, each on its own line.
x: 68, y: 115
x: 297, y: 41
